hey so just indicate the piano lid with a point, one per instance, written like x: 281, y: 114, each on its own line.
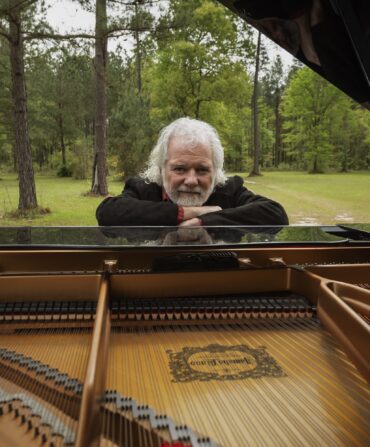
x: 153, y: 237
x: 330, y: 36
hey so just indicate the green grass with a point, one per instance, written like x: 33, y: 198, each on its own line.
x: 64, y: 196
x: 316, y: 199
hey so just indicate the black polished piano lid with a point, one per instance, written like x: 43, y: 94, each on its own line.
x: 146, y: 237
x: 330, y: 36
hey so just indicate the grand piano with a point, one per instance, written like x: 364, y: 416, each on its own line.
x: 199, y: 337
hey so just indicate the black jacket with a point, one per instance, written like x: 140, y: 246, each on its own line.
x: 141, y: 204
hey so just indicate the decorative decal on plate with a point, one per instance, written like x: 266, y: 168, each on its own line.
x: 218, y: 362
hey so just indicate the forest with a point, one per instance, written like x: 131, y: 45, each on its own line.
x: 86, y: 105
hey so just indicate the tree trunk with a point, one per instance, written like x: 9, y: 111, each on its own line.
x: 99, y: 180
x: 345, y: 161
x: 61, y: 137
x: 87, y: 127
x: 60, y: 119
x: 27, y: 187
x: 256, y: 140
x: 277, y: 154
x: 315, y: 168
x: 138, y: 50
x: 197, y: 109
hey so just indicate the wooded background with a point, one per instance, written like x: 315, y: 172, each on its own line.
x: 70, y: 106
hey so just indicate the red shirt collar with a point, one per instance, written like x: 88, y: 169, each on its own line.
x: 165, y: 196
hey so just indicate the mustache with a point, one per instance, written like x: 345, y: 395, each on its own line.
x: 195, y: 190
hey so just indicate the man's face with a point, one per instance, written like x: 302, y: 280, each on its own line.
x: 188, y: 175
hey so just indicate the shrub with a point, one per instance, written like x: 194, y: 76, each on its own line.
x: 64, y: 171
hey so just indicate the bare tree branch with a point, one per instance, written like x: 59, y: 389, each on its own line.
x: 7, y: 10
x: 52, y: 36
x: 133, y: 3
x: 22, y: 4
x: 139, y: 29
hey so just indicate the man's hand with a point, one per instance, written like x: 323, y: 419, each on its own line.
x: 194, y: 211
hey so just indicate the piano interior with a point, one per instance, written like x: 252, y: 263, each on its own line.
x: 258, y: 346
x: 99, y: 349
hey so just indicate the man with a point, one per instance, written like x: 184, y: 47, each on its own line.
x: 185, y: 185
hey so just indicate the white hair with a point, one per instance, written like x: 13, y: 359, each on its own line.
x: 194, y: 132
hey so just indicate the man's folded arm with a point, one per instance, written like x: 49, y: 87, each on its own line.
x: 250, y: 209
x: 129, y: 208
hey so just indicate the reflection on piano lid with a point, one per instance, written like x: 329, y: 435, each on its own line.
x: 330, y: 36
x: 246, y: 236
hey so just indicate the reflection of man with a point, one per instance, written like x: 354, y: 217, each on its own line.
x: 184, y: 184
x: 187, y: 236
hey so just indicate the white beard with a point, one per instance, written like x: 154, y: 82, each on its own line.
x: 192, y: 197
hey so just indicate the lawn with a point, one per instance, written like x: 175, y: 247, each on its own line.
x: 64, y: 196
x: 317, y: 199
x: 308, y: 199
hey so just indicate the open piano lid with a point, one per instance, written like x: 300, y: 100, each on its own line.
x: 330, y: 36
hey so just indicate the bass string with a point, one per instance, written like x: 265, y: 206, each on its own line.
x: 76, y: 359
x: 27, y: 388
x: 79, y: 358
x: 21, y: 344
x: 66, y: 346
x: 119, y: 363
x: 49, y: 347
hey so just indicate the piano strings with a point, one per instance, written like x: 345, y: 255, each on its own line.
x: 42, y: 373
x: 308, y: 399
x: 201, y: 371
